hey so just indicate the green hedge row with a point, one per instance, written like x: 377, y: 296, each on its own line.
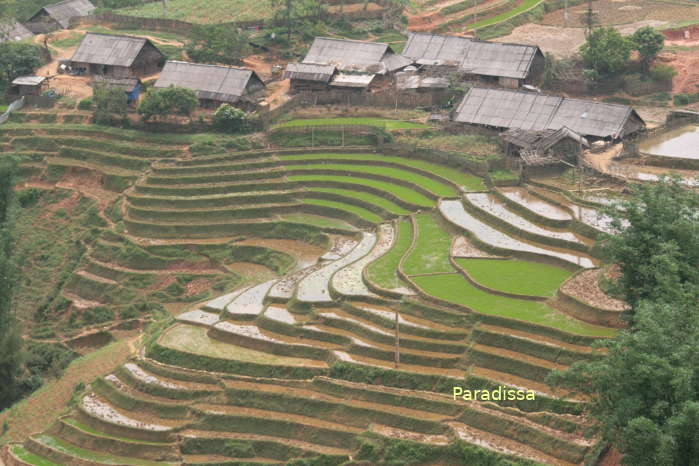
x: 211, y: 202
x: 101, y: 158
x: 341, y: 413
x: 131, y: 403
x: 275, y: 427
x: 190, y: 191
x: 517, y: 367
x: 195, y: 361
x: 442, y: 384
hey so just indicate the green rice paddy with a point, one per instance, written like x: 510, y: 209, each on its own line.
x: 360, y: 211
x: 516, y: 276
x: 383, y: 271
x: 429, y: 184
x: 431, y: 253
x: 29, y: 457
x: 192, y: 339
x: 106, y: 458
x: 317, y: 221
x: 382, y: 122
x: 366, y: 197
x: 455, y: 288
x: 96, y: 432
x: 466, y: 180
x: 404, y: 193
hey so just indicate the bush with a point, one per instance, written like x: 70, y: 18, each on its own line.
x: 230, y: 119
x: 662, y: 73
x: 97, y: 315
x: 685, y: 99
x: 168, y: 101
x: 85, y: 104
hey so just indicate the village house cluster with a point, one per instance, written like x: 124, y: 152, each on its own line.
x: 501, y: 79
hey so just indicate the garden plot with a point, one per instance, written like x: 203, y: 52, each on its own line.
x: 348, y: 281
x: 314, y: 287
x: 586, y: 215
x: 516, y: 276
x: 360, y: 212
x: 535, y: 204
x: 431, y: 251
x: 251, y: 302
x: 454, y: 212
x: 96, y: 407
x: 199, y: 317
x: 491, y: 204
x: 383, y: 271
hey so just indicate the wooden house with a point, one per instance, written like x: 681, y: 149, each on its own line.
x: 548, y: 146
x: 531, y: 111
x: 14, y: 31
x: 214, y: 84
x: 58, y: 15
x: 116, y: 56
x: 28, y: 85
x: 504, y: 64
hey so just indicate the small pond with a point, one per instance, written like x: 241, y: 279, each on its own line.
x: 680, y: 142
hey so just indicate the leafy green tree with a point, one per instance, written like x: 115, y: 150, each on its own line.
x: 229, y: 118
x: 291, y: 13
x: 605, y: 53
x: 10, y: 338
x: 649, y: 43
x: 644, y: 391
x: 109, y: 102
x: 17, y: 59
x: 171, y: 100
x: 218, y: 44
x: 657, y: 249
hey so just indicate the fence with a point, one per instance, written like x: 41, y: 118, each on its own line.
x: 16, y: 105
x: 138, y: 22
x: 389, y: 98
x: 327, y: 135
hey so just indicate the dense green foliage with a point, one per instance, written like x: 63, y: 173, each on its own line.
x: 17, y: 59
x: 649, y: 43
x: 606, y: 53
x: 658, y: 252
x: 168, y: 101
x: 647, y: 385
x: 10, y: 339
x: 110, y: 105
x: 230, y: 119
x: 217, y: 44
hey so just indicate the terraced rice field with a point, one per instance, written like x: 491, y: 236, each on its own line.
x: 300, y: 362
x: 382, y: 122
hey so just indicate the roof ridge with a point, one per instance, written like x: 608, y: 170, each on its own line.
x: 342, y: 39
x: 213, y: 65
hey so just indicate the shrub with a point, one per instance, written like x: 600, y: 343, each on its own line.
x: 230, y: 119
x: 97, y: 315
x: 168, y: 101
x: 662, y: 73
x: 85, y: 104
x: 685, y: 99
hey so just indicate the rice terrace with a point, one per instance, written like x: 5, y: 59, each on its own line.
x: 328, y: 233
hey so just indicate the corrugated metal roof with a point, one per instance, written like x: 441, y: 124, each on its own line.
x: 472, y: 55
x: 222, y: 83
x: 352, y: 80
x: 14, y: 31
x: 499, y: 59
x: 348, y: 54
x: 591, y: 117
x: 506, y: 108
x: 435, y: 49
x: 62, y: 12
x: 309, y: 72
x: 108, y: 49
x: 29, y: 80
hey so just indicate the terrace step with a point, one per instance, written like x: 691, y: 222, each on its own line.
x: 79, y: 434
x: 20, y: 456
x: 555, y: 342
x: 300, y: 444
x: 511, y: 380
x: 64, y: 452
x: 519, y: 356
x: 236, y: 176
x: 168, y: 169
x: 389, y: 364
x: 106, y: 169
x: 203, y: 460
x: 200, y: 214
x: 213, y: 200
x: 502, y: 444
x: 204, y: 189
x: 143, y: 376
x: 130, y: 389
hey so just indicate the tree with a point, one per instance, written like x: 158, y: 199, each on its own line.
x: 229, y: 118
x: 606, y: 53
x: 649, y: 43
x: 17, y: 59
x: 644, y: 391
x: 10, y: 338
x: 109, y: 101
x: 168, y: 101
x: 218, y: 44
x: 657, y: 247
x: 291, y: 13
